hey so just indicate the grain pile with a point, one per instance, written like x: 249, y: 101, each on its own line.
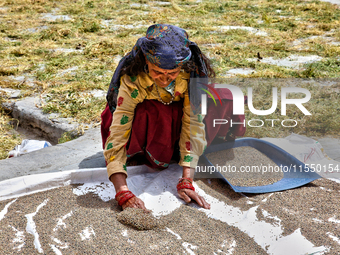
x: 71, y: 224
x: 246, y: 166
x: 66, y: 221
x: 138, y: 219
x: 85, y: 224
x: 312, y: 209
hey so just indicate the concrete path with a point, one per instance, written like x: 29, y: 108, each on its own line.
x: 30, y: 116
x: 83, y: 152
x: 331, y: 147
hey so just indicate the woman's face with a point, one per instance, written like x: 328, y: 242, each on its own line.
x: 162, y: 77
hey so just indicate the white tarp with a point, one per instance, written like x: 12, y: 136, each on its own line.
x: 158, y: 190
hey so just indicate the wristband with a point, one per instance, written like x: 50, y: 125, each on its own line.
x: 123, y: 196
x: 185, y: 179
x: 182, y: 185
x: 120, y: 193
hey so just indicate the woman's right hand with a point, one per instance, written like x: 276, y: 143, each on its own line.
x: 119, y: 181
x: 135, y: 202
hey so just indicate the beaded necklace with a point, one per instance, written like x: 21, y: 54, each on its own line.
x: 170, y: 89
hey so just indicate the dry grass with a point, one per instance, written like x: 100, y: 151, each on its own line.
x: 8, y: 139
x: 323, y: 106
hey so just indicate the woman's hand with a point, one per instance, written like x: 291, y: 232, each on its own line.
x: 135, y: 202
x: 119, y: 181
x: 186, y: 191
x: 187, y: 195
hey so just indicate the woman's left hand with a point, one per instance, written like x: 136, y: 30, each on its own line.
x: 135, y: 202
x: 187, y: 195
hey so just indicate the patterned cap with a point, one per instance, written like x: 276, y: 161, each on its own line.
x: 165, y: 46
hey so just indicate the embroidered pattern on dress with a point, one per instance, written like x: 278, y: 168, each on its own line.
x: 134, y: 93
x: 127, y: 133
x: 109, y: 146
x: 187, y: 145
x: 130, y: 155
x: 188, y: 158
x: 120, y: 101
x: 156, y: 161
x: 124, y: 120
x: 199, y: 118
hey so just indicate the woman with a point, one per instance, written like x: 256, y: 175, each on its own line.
x: 151, y: 117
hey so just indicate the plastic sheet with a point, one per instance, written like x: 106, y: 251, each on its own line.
x: 28, y: 146
x: 26, y: 185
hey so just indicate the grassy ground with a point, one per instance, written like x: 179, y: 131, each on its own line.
x: 94, y: 35
x: 8, y: 139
